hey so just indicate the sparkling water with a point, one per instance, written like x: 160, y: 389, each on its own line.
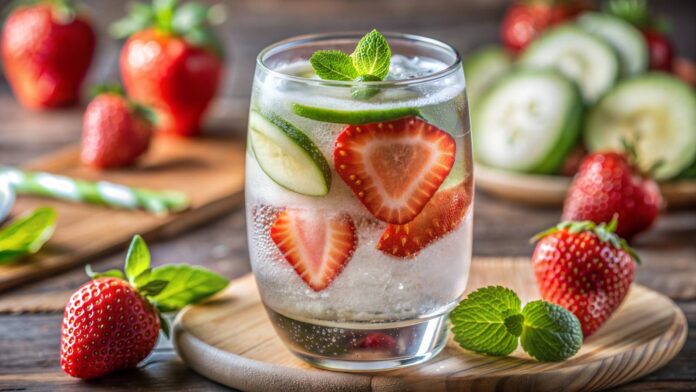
x: 379, y: 307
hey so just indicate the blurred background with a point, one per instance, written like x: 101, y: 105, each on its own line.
x: 253, y: 24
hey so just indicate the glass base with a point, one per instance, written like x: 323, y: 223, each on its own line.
x: 362, y: 347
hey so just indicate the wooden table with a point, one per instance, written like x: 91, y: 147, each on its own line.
x: 29, y: 358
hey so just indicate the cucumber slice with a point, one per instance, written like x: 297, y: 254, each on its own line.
x: 527, y: 122
x: 626, y: 40
x: 587, y: 60
x: 656, y: 113
x: 483, y: 68
x: 355, y: 117
x: 287, y: 155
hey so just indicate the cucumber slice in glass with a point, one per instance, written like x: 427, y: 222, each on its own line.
x: 482, y: 68
x: 627, y: 41
x: 657, y: 114
x: 583, y: 57
x: 287, y: 155
x: 527, y: 122
x: 354, y: 117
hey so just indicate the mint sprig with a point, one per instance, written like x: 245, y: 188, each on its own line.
x: 26, y: 235
x: 369, y: 62
x: 489, y: 321
x: 170, y: 287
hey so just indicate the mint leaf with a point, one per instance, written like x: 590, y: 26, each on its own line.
x: 372, y: 55
x: 333, y: 65
x: 27, y: 234
x: 550, y: 332
x: 187, y: 285
x: 112, y: 273
x: 479, y: 321
x: 137, y: 259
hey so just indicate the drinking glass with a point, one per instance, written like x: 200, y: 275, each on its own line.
x: 359, y: 202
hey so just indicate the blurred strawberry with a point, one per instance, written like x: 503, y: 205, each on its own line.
x: 172, y: 62
x: 607, y: 185
x: 115, y: 131
x: 526, y: 19
x: 47, y: 48
x: 660, y: 47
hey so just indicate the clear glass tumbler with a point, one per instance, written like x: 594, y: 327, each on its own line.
x: 359, y: 202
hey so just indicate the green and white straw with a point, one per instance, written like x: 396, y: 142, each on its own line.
x: 99, y: 192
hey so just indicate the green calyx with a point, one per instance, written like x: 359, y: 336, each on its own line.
x: 191, y: 21
x: 606, y: 232
x: 369, y: 62
x: 492, y: 321
x: 140, y: 110
x: 169, y: 287
x: 636, y: 12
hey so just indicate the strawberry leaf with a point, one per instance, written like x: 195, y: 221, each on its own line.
x: 187, y: 285
x: 137, y: 259
x: 112, y: 273
x: 153, y: 288
x: 550, y: 333
x: 479, y: 321
x: 27, y: 234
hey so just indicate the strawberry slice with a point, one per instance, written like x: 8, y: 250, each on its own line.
x: 394, y: 167
x: 317, y: 245
x: 443, y: 213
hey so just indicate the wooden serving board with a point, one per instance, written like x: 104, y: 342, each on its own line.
x: 546, y: 190
x: 210, y: 170
x: 230, y: 340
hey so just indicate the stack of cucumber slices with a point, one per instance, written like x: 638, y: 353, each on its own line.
x: 580, y: 85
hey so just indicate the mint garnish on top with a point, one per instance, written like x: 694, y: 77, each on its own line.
x: 369, y: 62
x: 491, y: 321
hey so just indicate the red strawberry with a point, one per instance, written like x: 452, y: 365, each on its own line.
x: 46, y: 51
x: 115, y: 132
x: 318, y: 246
x: 107, y: 326
x: 526, y: 19
x: 394, y: 167
x: 607, y: 184
x: 585, y: 268
x: 443, y: 213
x: 173, y: 68
x: 377, y: 341
x: 111, y: 323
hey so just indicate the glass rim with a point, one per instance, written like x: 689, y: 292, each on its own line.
x: 309, y: 38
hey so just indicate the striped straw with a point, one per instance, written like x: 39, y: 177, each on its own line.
x: 100, y: 192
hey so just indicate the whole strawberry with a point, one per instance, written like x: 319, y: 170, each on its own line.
x: 172, y: 62
x: 115, y: 131
x: 113, y: 322
x: 46, y: 49
x: 606, y: 185
x: 586, y: 268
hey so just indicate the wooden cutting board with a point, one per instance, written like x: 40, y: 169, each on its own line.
x: 230, y: 340
x: 210, y: 170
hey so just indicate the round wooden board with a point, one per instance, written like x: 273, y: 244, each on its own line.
x: 230, y: 340
x: 545, y: 190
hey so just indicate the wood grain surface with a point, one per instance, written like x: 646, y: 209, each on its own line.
x: 230, y: 340
x: 209, y: 170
